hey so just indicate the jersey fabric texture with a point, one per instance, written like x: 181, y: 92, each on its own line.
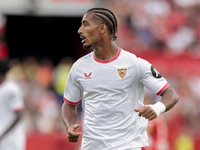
x: 110, y: 90
x: 11, y: 101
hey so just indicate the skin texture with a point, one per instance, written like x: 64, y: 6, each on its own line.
x: 95, y: 34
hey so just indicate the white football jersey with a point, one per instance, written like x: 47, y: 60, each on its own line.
x: 110, y: 90
x: 10, y: 101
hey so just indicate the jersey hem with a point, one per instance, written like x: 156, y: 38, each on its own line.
x: 163, y: 89
x: 142, y: 144
x: 71, y: 103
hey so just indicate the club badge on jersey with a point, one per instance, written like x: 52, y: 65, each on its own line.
x: 122, y: 72
x: 155, y: 73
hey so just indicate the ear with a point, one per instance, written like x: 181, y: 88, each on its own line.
x: 103, y: 28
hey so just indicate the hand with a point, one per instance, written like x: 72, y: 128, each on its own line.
x: 147, y: 112
x: 73, y: 135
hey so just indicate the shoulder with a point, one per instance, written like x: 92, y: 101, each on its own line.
x: 128, y: 54
x: 11, y: 85
x: 133, y: 57
x: 82, y: 60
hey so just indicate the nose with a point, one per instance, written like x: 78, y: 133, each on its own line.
x: 80, y: 30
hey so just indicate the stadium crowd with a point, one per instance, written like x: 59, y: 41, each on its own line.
x: 168, y: 26
x: 157, y: 25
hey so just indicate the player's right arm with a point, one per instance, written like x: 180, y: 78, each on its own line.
x: 69, y: 117
x: 72, y: 97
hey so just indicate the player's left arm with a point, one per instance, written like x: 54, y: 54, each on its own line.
x: 154, y: 81
x: 168, y: 100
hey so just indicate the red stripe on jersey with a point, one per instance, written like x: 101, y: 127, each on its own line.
x: 163, y: 89
x: 110, y: 60
x: 18, y: 109
x: 71, y: 103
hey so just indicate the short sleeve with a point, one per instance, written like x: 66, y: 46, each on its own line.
x: 151, y: 78
x: 16, y: 99
x: 72, y: 92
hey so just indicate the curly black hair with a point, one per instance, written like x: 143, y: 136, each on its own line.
x: 108, y: 17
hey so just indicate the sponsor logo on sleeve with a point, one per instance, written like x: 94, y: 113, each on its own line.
x: 155, y: 73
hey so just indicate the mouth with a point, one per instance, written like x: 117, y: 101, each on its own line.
x: 83, y: 38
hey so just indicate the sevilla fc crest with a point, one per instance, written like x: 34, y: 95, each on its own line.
x: 122, y: 72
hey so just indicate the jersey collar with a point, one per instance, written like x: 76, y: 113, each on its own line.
x: 110, y: 60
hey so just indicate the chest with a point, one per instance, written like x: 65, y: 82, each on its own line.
x: 107, y: 76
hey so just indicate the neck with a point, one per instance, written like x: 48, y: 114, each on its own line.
x: 106, y: 51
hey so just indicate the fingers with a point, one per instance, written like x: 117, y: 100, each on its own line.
x: 141, y: 110
x: 146, y: 112
x: 138, y: 109
x: 72, y: 131
x: 151, y: 115
x: 73, y: 139
x: 76, y: 127
x: 73, y: 135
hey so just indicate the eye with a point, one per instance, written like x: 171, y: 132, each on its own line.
x: 85, y: 24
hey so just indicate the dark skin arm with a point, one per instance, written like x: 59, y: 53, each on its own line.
x: 169, y: 99
x: 69, y: 117
x: 17, y: 119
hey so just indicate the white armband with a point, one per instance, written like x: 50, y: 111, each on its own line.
x: 158, y: 107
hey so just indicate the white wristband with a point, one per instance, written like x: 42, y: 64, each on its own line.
x: 158, y: 107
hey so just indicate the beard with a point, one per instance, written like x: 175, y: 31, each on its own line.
x: 86, y: 46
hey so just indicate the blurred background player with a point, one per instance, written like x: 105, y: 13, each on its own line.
x: 12, y: 134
